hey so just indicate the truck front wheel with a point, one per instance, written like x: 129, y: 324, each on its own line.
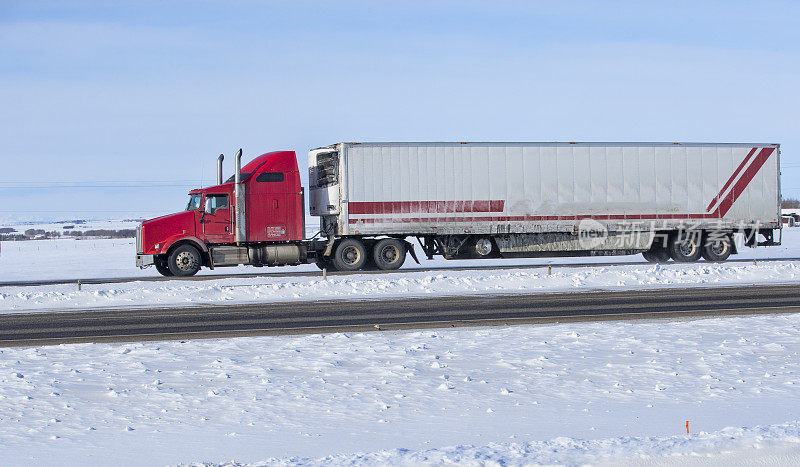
x: 161, y: 267
x: 184, y: 261
x: 350, y: 255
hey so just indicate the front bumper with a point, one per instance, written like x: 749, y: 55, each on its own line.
x: 142, y: 261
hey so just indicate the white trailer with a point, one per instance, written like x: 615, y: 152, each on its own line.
x: 666, y: 200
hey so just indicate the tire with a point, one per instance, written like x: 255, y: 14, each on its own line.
x: 657, y: 252
x: 389, y: 254
x: 324, y: 263
x: 370, y: 265
x: 684, y: 248
x: 662, y: 255
x: 349, y: 255
x: 717, y: 249
x: 483, y: 247
x: 163, y: 268
x: 184, y: 261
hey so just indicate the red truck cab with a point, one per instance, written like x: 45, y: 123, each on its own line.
x: 210, y: 233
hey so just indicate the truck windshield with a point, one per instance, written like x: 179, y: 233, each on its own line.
x: 194, y: 202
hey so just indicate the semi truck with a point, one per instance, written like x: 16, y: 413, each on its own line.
x: 375, y: 201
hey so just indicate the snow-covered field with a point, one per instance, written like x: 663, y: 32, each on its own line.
x: 79, y: 225
x: 601, y: 392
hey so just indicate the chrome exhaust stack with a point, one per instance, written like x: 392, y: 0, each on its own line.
x: 239, y: 208
x: 219, y: 168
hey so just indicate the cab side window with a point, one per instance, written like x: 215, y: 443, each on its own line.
x: 270, y: 177
x: 218, y: 201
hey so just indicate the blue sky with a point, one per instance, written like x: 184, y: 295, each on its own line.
x: 116, y: 109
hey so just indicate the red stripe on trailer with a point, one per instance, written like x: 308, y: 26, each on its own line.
x: 397, y: 207
x: 741, y: 184
x: 730, y: 180
x: 407, y: 220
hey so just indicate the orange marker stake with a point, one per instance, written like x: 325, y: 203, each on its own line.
x: 687, y: 427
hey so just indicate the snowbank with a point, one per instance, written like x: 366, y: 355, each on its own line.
x: 763, y: 445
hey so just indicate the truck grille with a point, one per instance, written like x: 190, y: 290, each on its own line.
x: 139, y: 240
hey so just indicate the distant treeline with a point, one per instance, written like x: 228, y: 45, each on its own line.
x: 790, y: 203
x: 9, y: 234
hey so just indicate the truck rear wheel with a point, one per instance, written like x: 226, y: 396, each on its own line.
x: 389, y: 253
x: 324, y: 263
x: 684, y: 247
x: 184, y: 261
x: 350, y: 255
x: 717, y: 249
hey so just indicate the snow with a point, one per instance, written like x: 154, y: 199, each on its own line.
x: 597, y: 392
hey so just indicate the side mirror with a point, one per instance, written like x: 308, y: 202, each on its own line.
x: 208, y: 209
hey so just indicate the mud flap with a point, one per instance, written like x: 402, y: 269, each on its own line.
x: 410, y: 249
x: 329, y: 247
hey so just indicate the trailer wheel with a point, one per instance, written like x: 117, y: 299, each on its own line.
x: 184, y: 261
x: 684, y: 248
x: 389, y: 253
x: 656, y: 254
x: 659, y: 251
x: 649, y: 256
x: 350, y: 255
x: 717, y: 249
x: 483, y: 247
x: 163, y: 268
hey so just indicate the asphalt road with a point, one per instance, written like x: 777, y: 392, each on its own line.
x: 455, y: 267
x: 436, y: 312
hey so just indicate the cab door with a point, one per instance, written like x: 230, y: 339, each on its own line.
x: 218, y: 220
x: 272, y: 186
